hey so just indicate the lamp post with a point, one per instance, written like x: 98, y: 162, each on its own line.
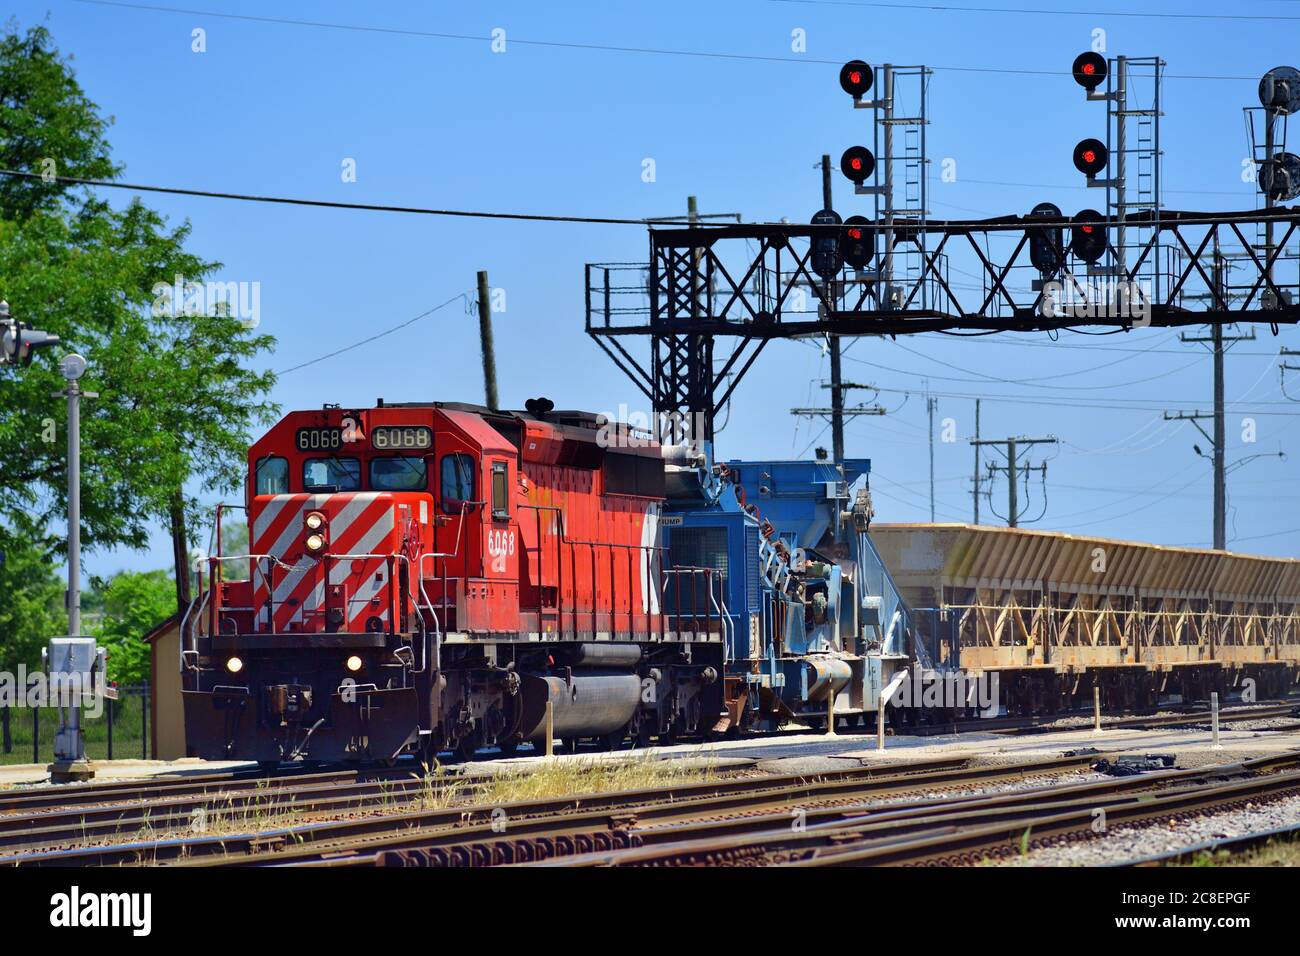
x: 73, y: 661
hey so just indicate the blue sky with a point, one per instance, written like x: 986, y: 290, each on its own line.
x: 276, y: 108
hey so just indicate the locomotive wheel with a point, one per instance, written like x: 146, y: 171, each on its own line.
x: 613, y: 741
x: 508, y: 746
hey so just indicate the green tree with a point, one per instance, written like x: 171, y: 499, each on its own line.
x: 177, y: 397
x: 135, y: 602
x: 234, y: 541
x: 31, y: 595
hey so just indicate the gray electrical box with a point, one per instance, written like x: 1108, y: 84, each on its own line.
x: 75, y: 664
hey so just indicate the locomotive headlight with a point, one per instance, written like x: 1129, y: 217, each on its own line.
x: 354, y: 663
x: 234, y: 665
x: 315, y: 521
x: 315, y: 542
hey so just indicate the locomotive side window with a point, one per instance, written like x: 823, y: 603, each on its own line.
x: 404, y: 473
x: 331, y: 474
x: 273, y: 476
x: 500, y: 497
x: 457, y: 482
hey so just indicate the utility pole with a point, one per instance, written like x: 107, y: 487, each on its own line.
x: 1010, y: 448
x: 833, y: 343
x: 976, y: 476
x: 485, y: 339
x: 930, y: 403
x: 1217, y: 343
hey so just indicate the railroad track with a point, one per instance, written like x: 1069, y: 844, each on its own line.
x: 31, y: 799
x: 957, y: 831
x: 1052, y: 724
x: 475, y: 826
x: 220, y: 803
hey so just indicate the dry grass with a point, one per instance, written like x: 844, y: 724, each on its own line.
x: 563, y: 778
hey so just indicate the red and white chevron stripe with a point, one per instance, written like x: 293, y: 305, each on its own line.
x: 359, y: 523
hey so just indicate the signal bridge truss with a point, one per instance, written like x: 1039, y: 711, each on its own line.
x: 750, y: 284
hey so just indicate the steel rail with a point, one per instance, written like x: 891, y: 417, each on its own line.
x: 499, y: 838
x: 973, y: 844
x: 53, y: 828
x: 329, y: 836
x: 965, y: 833
x: 715, y: 842
x: 62, y: 796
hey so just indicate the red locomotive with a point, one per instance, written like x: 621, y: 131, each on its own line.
x: 431, y: 576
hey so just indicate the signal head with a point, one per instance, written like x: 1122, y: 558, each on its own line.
x: 857, y: 164
x: 856, y: 78
x: 1279, y: 90
x: 859, y: 243
x: 1045, y: 247
x: 1089, y: 70
x: 1088, y: 235
x: 1279, y: 178
x: 827, y: 256
x: 1090, y: 157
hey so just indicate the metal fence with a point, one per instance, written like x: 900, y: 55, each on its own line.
x: 120, y: 731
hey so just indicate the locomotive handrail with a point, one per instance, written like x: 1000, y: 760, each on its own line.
x: 424, y: 630
x: 464, y: 510
x: 214, y: 582
x: 183, y: 642
x: 717, y: 602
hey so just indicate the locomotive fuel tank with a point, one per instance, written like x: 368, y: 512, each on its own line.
x: 588, y: 704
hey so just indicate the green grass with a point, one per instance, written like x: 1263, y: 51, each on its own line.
x: 126, y: 732
x: 1279, y: 852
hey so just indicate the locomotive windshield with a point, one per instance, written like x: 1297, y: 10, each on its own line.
x: 331, y: 474
x: 405, y: 473
x: 272, y: 476
x: 457, y: 482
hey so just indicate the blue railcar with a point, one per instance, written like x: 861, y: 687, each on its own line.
x: 815, y: 625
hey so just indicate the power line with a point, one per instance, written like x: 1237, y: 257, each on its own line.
x: 1191, y: 220
x: 591, y: 47
x: 1026, y: 383
x: 330, y: 204
x: 378, y: 335
x: 1037, y: 12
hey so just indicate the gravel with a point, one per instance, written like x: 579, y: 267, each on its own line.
x: 1134, y: 842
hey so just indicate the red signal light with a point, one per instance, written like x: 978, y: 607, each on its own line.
x: 857, y: 164
x: 860, y: 242
x: 1087, y: 241
x: 1090, y: 157
x: 856, y: 78
x: 1089, y: 70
